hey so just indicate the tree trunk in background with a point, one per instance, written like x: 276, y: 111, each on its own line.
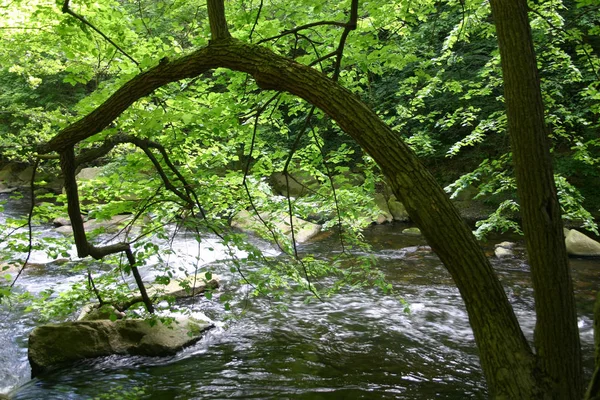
x: 556, y: 334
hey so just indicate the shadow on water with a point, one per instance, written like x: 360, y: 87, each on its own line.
x: 354, y: 345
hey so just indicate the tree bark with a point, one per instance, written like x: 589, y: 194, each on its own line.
x: 556, y: 333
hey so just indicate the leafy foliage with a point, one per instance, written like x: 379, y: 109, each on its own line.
x: 431, y: 71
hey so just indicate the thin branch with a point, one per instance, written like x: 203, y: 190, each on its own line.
x: 67, y: 10
x: 93, y: 287
x: 247, y: 171
x: 29, y: 217
x: 255, y: 21
x: 289, y: 202
x: 302, y: 27
x: 350, y: 26
x: 335, y: 197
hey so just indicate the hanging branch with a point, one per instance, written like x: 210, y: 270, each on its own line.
x: 67, y: 10
x: 84, y: 248
x: 29, y: 217
x: 333, y: 190
x: 259, y: 111
x: 93, y: 287
x: 255, y: 21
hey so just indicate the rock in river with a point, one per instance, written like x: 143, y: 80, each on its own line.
x: 579, y: 244
x: 59, y: 344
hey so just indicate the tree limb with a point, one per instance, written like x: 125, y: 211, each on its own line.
x: 492, y: 317
x: 217, y: 21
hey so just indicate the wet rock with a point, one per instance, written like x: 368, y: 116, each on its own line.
x: 303, y: 230
x: 410, y: 249
x: 398, y: 210
x: 579, y: 244
x: 111, y: 225
x: 506, y: 245
x: 58, y: 344
x: 183, y: 288
x: 382, y: 219
x: 61, y: 221
x: 91, y: 312
x: 385, y: 215
x: 502, y: 252
x: 6, y: 189
x: 414, y: 231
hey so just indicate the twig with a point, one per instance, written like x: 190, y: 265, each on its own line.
x: 255, y: 21
x: 302, y: 27
x: 29, y: 217
x: 67, y: 10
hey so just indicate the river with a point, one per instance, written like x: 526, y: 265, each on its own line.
x: 357, y: 344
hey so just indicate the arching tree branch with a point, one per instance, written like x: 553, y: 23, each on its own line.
x: 492, y: 318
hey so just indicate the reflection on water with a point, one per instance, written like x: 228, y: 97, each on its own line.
x: 354, y: 345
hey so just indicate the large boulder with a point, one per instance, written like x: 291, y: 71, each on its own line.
x: 59, y: 344
x: 391, y: 208
x: 248, y: 222
x: 384, y: 210
x: 579, y: 244
x: 297, y: 185
x: 398, y: 210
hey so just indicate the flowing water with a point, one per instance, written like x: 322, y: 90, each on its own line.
x: 355, y: 345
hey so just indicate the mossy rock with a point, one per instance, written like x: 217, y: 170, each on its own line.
x: 59, y: 344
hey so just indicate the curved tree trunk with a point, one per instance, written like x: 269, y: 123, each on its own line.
x: 506, y: 358
x: 556, y: 333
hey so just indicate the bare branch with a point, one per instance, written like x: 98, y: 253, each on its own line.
x: 302, y: 27
x: 255, y: 21
x: 29, y: 217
